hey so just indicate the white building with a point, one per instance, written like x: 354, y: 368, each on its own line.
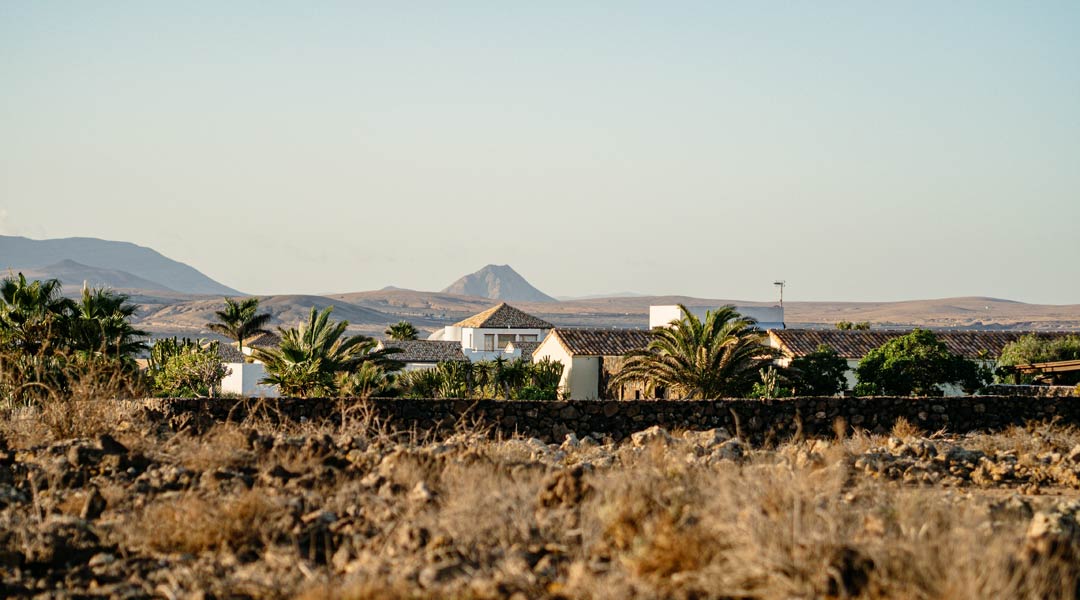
x: 243, y: 379
x: 589, y: 358
x: 484, y: 336
x: 767, y: 317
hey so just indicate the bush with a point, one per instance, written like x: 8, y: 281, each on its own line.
x: 916, y: 364
x: 186, y: 369
x: 1034, y: 349
x: 820, y: 373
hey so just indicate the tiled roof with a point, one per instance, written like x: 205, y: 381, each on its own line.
x: 229, y: 353
x: 854, y: 344
x: 425, y: 351
x: 264, y: 340
x: 504, y: 316
x: 602, y: 342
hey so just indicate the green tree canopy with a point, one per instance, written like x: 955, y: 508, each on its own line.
x: 917, y: 363
x: 240, y: 320
x: 312, y: 358
x: 33, y: 314
x: 715, y: 358
x: 820, y: 373
x: 1035, y: 349
x: 402, y: 330
x: 100, y: 322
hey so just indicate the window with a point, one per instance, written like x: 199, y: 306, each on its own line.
x: 489, y: 342
x: 504, y: 339
x: 528, y: 338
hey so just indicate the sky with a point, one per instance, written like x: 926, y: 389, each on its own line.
x: 860, y: 151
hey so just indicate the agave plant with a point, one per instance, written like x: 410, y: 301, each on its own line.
x: 715, y: 358
x: 311, y: 358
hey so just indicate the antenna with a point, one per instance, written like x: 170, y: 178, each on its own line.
x: 781, y: 283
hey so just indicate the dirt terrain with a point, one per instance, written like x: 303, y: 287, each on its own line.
x: 96, y: 501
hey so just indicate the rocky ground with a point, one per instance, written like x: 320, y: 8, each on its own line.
x: 129, y: 509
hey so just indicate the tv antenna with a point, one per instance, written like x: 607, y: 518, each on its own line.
x: 780, y: 284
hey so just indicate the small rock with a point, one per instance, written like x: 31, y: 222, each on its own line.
x: 101, y: 559
x: 421, y: 493
x: 649, y: 436
x: 109, y: 445
x: 439, y: 572
x: 1074, y: 454
x: 93, y: 507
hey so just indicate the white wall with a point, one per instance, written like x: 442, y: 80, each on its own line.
x: 472, y: 341
x: 244, y: 380
x: 585, y: 378
x: 581, y: 374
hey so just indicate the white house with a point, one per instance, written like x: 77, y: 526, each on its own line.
x: 767, y: 317
x: 484, y: 336
x: 243, y: 379
x: 589, y: 358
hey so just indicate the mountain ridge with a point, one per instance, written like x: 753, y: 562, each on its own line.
x: 497, y: 282
x: 21, y: 253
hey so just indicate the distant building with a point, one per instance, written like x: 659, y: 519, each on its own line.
x: 590, y: 357
x: 767, y: 317
x: 423, y: 354
x: 484, y: 336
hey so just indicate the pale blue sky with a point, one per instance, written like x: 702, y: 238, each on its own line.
x: 860, y: 151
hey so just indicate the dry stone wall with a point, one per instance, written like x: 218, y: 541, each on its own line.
x: 754, y: 420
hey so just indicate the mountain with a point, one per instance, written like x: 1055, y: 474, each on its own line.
x: 19, y: 253
x: 498, y: 282
x: 73, y: 275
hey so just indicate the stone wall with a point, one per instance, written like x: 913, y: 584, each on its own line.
x: 1001, y: 389
x: 756, y: 420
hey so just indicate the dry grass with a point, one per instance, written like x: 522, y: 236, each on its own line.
x: 364, y: 513
x: 191, y: 523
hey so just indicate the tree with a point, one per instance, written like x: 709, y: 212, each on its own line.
x: 100, y: 324
x: 543, y: 380
x: 1034, y: 349
x: 715, y: 358
x: 33, y: 315
x: 849, y: 326
x: 185, y: 368
x: 239, y: 320
x: 820, y: 373
x: 311, y: 359
x: 917, y: 363
x: 402, y: 330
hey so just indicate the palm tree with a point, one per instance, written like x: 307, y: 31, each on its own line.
x: 100, y: 322
x: 402, y: 330
x: 240, y: 320
x: 311, y: 359
x: 33, y: 315
x: 717, y: 358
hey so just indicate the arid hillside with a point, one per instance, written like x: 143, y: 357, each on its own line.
x: 370, y: 312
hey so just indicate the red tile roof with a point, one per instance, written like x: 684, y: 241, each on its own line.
x: 504, y: 316
x: 854, y: 344
x: 602, y: 342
